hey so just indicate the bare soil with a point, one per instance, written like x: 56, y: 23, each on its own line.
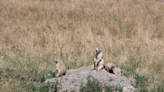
x: 73, y: 78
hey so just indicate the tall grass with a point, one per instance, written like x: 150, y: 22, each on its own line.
x: 32, y: 32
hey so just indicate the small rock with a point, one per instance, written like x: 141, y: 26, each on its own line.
x: 128, y: 89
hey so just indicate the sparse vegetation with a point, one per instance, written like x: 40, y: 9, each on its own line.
x: 158, y: 88
x: 49, y: 87
x: 141, y: 82
x: 33, y: 32
x: 110, y: 79
x: 93, y: 85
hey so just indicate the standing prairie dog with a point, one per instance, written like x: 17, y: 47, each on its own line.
x: 60, y: 68
x: 110, y: 67
x: 98, y: 60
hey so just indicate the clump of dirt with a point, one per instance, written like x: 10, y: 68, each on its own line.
x: 73, y: 78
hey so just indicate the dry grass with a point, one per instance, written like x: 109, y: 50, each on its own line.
x: 130, y: 32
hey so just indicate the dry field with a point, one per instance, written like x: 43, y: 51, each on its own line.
x: 33, y: 32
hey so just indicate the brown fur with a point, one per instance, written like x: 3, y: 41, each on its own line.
x: 110, y: 67
x: 60, y: 68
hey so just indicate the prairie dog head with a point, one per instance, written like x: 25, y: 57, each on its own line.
x: 98, y: 50
x: 98, y: 53
x: 56, y: 60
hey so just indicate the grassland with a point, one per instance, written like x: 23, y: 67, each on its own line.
x: 33, y: 32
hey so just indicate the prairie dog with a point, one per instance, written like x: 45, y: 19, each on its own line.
x: 98, y: 60
x: 60, y: 68
x: 110, y: 67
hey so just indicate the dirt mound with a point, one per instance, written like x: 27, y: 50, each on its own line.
x: 76, y: 76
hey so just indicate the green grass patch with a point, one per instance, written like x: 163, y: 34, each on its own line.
x: 49, y: 87
x: 141, y: 82
x: 158, y: 87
